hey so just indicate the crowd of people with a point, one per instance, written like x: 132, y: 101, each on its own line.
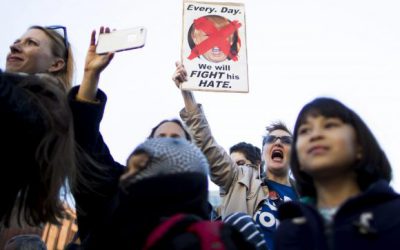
x: 324, y: 185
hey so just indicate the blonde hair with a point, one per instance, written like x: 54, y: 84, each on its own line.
x: 61, y: 49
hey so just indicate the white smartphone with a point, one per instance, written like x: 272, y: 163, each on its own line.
x: 121, y: 40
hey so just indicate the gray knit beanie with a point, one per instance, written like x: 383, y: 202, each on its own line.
x: 169, y: 156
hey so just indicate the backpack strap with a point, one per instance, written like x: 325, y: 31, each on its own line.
x: 208, y: 233
x: 176, y: 223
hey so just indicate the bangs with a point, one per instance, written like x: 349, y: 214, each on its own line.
x: 373, y: 164
x: 325, y: 107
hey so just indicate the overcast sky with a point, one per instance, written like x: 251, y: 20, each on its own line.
x: 297, y: 50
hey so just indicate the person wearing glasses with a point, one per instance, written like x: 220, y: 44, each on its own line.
x: 241, y: 187
x: 42, y: 50
x: 37, y: 139
x: 343, y: 176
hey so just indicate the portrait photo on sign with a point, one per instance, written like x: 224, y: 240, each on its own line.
x: 216, y: 38
x: 214, y: 50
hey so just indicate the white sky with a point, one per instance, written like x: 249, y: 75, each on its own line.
x: 297, y: 50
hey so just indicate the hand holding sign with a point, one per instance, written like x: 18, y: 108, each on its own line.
x: 180, y: 74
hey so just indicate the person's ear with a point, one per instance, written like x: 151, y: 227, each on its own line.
x: 57, y: 65
x: 359, y: 153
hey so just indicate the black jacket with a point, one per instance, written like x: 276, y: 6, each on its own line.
x: 368, y: 221
x: 96, y: 198
x: 112, y: 217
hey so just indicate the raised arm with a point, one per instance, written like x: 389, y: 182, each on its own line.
x: 88, y: 102
x: 180, y: 76
x: 94, y: 65
x: 222, y: 169
x: 101, y: 180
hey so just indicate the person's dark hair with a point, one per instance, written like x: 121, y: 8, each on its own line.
x: 234, y: 50
x: 278, y: 125
x: 59, y: 49
x: 180, y: 124
x: 373, y: 164
x: 251, y: 152
x: 55, y: 157
x: 25, y: 242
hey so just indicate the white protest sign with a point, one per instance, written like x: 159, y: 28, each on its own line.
x: 214, y: 46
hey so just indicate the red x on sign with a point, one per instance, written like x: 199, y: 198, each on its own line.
x: 216, y: 38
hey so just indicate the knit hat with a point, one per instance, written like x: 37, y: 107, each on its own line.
x: 169, y: 156
x: 173, y: 181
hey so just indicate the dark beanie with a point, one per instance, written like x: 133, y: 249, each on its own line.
x: 174, y: 181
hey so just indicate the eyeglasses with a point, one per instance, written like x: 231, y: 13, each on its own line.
x: 272, y: 138
x: 64, y: 35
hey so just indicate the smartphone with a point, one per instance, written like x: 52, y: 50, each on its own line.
x: 121, y: 40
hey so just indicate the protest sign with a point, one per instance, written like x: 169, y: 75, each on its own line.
x: 214, y: 46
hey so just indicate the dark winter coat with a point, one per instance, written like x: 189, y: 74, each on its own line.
x: 111, y: 216
x: 368, y: 221
x: 95, y: 199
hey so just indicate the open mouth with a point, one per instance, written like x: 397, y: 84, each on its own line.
x: 216, y: 50
x: 277, y: 154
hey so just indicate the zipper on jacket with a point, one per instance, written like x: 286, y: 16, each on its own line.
x: 328, y: 230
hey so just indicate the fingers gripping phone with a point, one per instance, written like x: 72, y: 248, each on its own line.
x: 121, y: 40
